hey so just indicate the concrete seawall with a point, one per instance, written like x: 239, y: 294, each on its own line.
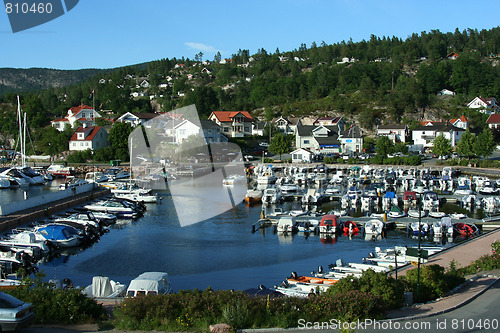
x: 45, y: 209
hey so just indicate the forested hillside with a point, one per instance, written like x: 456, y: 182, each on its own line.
x: 375, y: 81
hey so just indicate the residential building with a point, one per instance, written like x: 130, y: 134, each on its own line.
x: 83, y: 114
x: 493, y: 121
x: 351, y: 140
x: 395, y: 132
x: 486, y: 105
x: 302, y: 155
x: 209, y: 130
x: 233, y: 123
x: 461, y: 122
x: 286, y: 125
x: 446, y: 92
x: 88, y: 138
x: 137, y: 118
x: 323, y: 139
x: 424, y: 136
x: 258, y: 128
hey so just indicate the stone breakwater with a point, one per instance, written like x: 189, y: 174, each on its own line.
x: 83, y: 169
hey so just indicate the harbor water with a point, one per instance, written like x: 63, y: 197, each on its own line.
x: 220, y: 252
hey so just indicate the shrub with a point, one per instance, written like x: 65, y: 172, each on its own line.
x: 58, y: 306
x: 390, y: 290
x: 434, y: 282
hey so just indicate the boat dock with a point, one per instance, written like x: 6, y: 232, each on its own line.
x: 27, y: 215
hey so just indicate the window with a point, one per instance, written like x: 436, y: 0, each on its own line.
x: 306, y: 142
x: 182, y: 132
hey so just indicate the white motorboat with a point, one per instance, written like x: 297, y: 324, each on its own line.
x: 396, y: 212
x: 488, y: 188
x: 437, y: 214
x: 72, y: 182
x: 458, y: 216
x: 24, y: 240
x: 117, y: 208
x: 266, y: 178
x: 374, y: 227
x: 415, y: 213
x: 59, y: 170
x: 116, y: 173
x: 103, y: 287
x: 289, y: 189
x: 31, y: 176
x: 141, y: 197
x: 96, y: 177
x: 125, y: 188
x: 415, y: 228
x: 463, y: 190
x: 271, y: 195
x: 149, y: 283
x: 15, y: 178
x: 286, y: 224
x: 430, y: 200
x: 84, y: 218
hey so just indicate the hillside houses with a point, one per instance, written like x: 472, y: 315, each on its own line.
x: 423, y: 136
x: 82, y: 114
x: 233, y: 123
x: 88, y: 138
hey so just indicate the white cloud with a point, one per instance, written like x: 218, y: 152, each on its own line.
x: 201, y: 47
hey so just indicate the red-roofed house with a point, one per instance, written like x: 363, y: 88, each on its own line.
x: 486, y: 105
x: 88, y: 138
x: 233, y: 123
x: 493, y: 121
x: 83, y: 114
x: 460, y: 122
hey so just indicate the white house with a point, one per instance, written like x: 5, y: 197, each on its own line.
x: 461, y: 122
x: 446, y: 92
x: 210, y: 131
x: 395, y: 132
x: 302, y: 155
x: 286, y: 125
x: 233, y: 123
x: 83, y: 114
x: 351, y: 140
x: 424, y: 136
x: 493, y: 121
x: 88, y: 138
x: 138, y: 118
x: 258, y: 128
x: 486, y: 105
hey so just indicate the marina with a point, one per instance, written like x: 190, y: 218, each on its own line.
x: 237, y: 249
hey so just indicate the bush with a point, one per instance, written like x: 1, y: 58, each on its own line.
x: 434, y: 282
x: 236, y: 315
x: 58, y: 306
x: 390, y: 290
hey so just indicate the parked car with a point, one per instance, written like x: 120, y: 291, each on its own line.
x: 14, y: 313
x: 264, y: 144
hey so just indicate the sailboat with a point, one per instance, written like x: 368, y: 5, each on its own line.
x: 30, y: 176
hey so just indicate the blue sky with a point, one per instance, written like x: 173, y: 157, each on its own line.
x: 112, y: 33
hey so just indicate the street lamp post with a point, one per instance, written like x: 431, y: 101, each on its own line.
x: 419, y: 240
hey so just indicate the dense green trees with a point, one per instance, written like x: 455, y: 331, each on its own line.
x: 441, y: 146
x: 280, y: 144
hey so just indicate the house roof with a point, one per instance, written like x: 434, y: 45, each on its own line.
x: 438, y: 126
x: 333, y: 120
x: 227, y: 116
x: 493, y: 119
x: 208, y: 124
x: 92, y: 133
x: 462, y: 119
x: 300, y: 149
x: 76, y: 109
x: 353, y: 132
x: 329, y: 140
x: 59, y: 119
x: 145, y: 115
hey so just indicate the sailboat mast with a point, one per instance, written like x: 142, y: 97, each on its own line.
x: 20, y: 127
x: 24, y: 142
